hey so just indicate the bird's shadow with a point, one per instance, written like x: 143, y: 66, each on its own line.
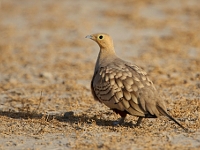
x: 68, y: 117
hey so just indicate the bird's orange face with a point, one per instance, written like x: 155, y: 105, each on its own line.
x: 102, y: 39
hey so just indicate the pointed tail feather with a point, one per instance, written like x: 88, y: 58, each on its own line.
x: 170, y: 117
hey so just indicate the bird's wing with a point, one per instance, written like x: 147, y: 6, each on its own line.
x: 125, y: 87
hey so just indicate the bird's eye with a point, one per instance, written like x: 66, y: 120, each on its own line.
x: 100, y: 37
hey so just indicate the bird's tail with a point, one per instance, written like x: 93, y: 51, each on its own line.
x: 170, y: 117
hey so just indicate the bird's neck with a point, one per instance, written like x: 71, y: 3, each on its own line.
x: 105, y: 56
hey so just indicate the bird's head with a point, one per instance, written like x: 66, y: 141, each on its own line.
x: 102, y: 39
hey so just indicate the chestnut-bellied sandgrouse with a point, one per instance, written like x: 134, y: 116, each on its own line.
x: 123, y: 86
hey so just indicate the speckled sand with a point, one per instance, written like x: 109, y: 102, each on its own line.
x: 46, y: 66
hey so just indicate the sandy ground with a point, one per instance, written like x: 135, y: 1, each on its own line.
x: 46, y: 66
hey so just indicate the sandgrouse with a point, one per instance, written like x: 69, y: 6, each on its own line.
x: 124, y: 87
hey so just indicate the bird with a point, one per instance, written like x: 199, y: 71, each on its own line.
x: 123, y: 86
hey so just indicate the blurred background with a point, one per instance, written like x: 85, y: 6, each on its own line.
x: 43, y: 50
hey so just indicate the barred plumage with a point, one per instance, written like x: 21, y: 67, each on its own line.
x: 124, y: 87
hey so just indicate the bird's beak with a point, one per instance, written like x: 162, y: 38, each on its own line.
x: 89, y: 37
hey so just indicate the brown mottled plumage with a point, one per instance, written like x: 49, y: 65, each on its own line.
x: 124, y: 87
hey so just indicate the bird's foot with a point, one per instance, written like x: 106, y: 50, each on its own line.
x: 138, y: 121
x: 119, y: 122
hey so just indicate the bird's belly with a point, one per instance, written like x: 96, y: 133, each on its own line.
x: 113, y: 104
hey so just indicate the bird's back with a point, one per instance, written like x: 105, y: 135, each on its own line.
x: 123, y: 86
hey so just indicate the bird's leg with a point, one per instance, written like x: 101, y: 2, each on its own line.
x: 123, y: 116
x: 139, y: 121
x: 120, y: 121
